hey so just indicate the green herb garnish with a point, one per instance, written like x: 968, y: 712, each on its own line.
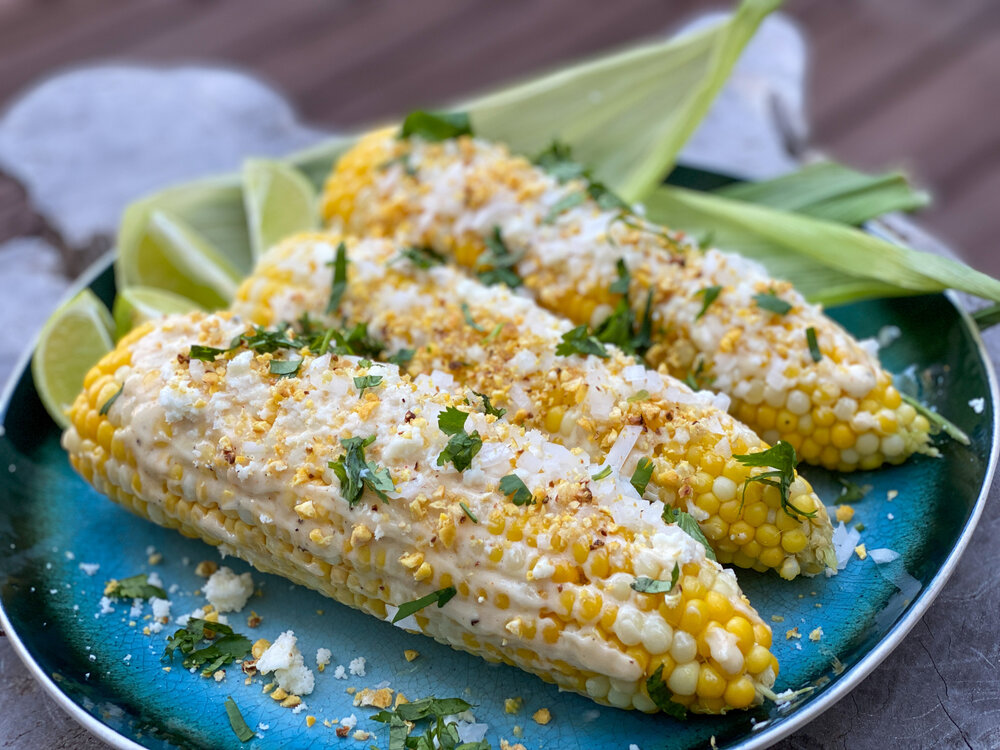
x: 422, y: 257
x: 642, y: 474
x: 237, y: 722
x: 401, y: 357
x: 133, y: 587
x: 285, y: 368
x: 205, y: 353
x: 852, y: 492
x: 580, y: 341
x: 462, y: 447
x: 686, y: 523
x: 497, y: 262
x: 653, y: 586
x: 814, y: 351
x: 440, y: 597
x: 557, y: 160
x: 468, y: 511
x: 605, y: 472
x: 696, y: 379
x: 106, y: 407
x: 562, y: 205
x: 488, y: 407
x: 469, y: 320
x: 339, y: 285
x: 435, y: 126
x: 224, y: 647
x: 771, y: 302
x: 781, y: 457
x: 494, y: 333
x: 620, y: 327
x: 640, y: 395
x: 516, y: 490
x: 355, y: 473
x: 709, y: 294
x: 937, y: 421
x: 438, y: 735
x: 660, y: 694
x: 366, y: 381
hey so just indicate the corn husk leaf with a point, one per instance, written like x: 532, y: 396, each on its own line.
x: 827, y: 190
x: 828, y: 262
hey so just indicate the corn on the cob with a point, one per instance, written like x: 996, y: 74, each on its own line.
x: 503, y: 345
x: 227, y: 451
x: 713, y: 312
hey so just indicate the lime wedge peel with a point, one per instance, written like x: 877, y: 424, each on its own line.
x: 72, y: 341
x: 138, y: 304
x: 279, y: 201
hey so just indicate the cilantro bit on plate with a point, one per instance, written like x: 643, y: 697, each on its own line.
x: 224, y: 647
x: 237, y: 722
x: 133, y: 587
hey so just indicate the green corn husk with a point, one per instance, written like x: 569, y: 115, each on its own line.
x: 827, y: 262
x: 827, y: 190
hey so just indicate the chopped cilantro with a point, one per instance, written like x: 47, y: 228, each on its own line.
x: 366, y: 381
x: 285, y: 368
x: 468, y: 511
x: 620, y: 327
x: 205, y: 353
x: 562, y: 205
x: 489, y: 408
x: 404, y: 160
x: 852, y: 492
x: 696, y: 380
x: 402, y: 357
x: 580, y: 341
x: 462, y: 447
x: 814, y: 350
x: 557, y: 160
x: 516, y: 490
x: 440, y: 597
x: 686, y: 523
x: 355, y: 473
x: 605, y: 198
x: 356, y: 341
x: 224, y: 647
x: 364, y: 363
x: 782, y: 459
x: 439, y: 734
x: 422, y: 257
x: 653, y: 586
x: 771, y: 302
x: 106, y: 407
x: 133, y: 587
x: 435, y: 126
x: 605, y: 472
x: 452, y: 421
x: 497, y: 262
x: 264, y: 341
x: 469, y: 320
x: 660, y: 694
x: 339, y: 285
x: 709, y: 294
x: 640, y: 395
x: 642, y: 474
x: 237, y: 722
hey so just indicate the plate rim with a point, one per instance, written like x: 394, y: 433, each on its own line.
x: 768, y: 736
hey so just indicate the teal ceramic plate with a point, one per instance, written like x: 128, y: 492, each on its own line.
x: 111, y: 677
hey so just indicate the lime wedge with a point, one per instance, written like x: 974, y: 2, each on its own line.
x: 157, y: 249
x: 71, y: 342
x: 137, y: 304
x: 279, y: 202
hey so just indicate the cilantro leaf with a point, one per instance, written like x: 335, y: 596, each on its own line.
x: 422, y: 257
x: 355, y: 473
x: 133, y: 587
x: 401, y: 357
x: 605, y: 198
x: 852, y: 492
x: 660, y: 694
x: 516, y: 490
x: 562, y: 205
x: 224, y: 648
x: 205, y: 353
x: 557, y: 160
x: 620, y: 328
x: 469, y: 320
x: 494, y: 333
x: 366, y: 381
x: 356, y: 341
x: 461, y: 449
x: 653, y: 586
x: 285, y: 368
x: 339, y: 285
x: 106, y: 406
x: 642, y: 474
x: 497, y: 262
x: 452, y: 421
x: 781, y: 457
x: 771, y: 302
x: 435, y: 126
x: 237, y: 722
x: 640, y: 395
x: 814, y: 350
x: 264, y: 341
x: 489, y: 408
x: 709, y: 294
x: 686, y: 523
x: 441, y: 597
x: 580, y: 341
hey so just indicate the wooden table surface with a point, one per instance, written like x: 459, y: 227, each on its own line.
x: 910, y: 83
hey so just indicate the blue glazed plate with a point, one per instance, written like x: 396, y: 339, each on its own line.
x: 105, y: 672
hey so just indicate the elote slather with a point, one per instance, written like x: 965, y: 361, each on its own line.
x: 344, y: 476
x: 792, y: 373
x: 504, y: 346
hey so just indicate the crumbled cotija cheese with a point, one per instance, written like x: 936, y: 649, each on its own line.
x: 227, y: 591
x: 323, y: 656
x: 285, y: 660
